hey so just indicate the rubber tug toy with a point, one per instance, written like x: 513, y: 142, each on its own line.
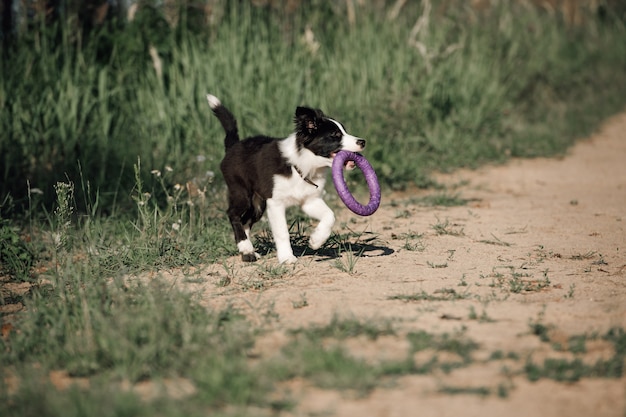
x: 342, y: 189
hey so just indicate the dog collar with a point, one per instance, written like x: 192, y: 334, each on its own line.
x: 306, y: 179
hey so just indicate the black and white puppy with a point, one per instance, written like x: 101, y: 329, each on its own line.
x: 262, y: 173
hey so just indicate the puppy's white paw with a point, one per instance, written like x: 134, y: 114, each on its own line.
x: 287, y: 260
x: 318, y: 239
x: 285, y: 255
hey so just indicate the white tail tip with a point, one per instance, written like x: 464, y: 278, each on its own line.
x: 214, y: 102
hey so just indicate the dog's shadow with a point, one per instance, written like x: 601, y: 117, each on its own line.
x: 365, y: 244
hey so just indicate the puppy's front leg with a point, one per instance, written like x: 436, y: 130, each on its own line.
x: 280, y: 231
x: 318, y: 209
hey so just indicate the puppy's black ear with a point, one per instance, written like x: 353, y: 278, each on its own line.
x: 307, y: 120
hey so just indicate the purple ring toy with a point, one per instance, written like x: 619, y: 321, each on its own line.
x: 342, y: 189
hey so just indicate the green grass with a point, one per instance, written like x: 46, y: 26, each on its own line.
x: 456, y: 343
x: 16, y: 255
x: 442, y: 199
x: 126, y: 331
x: 572, y: 370
x: 347, y: 259
x: 447, y: 228
x: 343, y: 328
x: 109, y: 173
x: 443, y: 294
x: 452, y: 390
x: 330, y: 365
x: 520, y: 84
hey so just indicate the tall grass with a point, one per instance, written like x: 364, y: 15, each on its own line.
x: 511, y: 81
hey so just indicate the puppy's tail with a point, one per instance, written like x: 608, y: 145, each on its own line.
x: 227, y: 120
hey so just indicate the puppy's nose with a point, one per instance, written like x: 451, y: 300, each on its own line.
x: 361, y: 143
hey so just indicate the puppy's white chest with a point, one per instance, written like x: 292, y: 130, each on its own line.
x: 295, y: 190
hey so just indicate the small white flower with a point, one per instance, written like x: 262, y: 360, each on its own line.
x: 156, y: 172
x: 177, y: 187
x: 168, y: 168
x: 147, y: 196
x: 176, y: 226
x: 309, y: 40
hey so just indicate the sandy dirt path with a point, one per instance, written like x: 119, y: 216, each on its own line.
x: 539, y: 241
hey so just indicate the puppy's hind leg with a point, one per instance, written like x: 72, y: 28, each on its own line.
x: 318, y: 209
x: 242, y: 234
x: 247, y: 250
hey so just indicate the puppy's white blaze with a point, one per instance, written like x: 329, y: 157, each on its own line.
x: 340, y: 126
x: 348, y: 142
x: 245, y: 246
x: 214, y: 102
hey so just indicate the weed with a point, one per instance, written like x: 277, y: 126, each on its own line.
x: 329, y: 365
x: 518, y: 282
x: 541, y: 330
x: 331, y: 368
x: 571, y: 370
x: 412, y: 241
x: 561, y: 370
x: 418, y: 246
x: 402, y: 214
x: 583, y: 256
x: 483, y: 318
x: 453, y: 390
x: 16, y: 256
x: 447, y: 228
x: 600, y: 261
x: 577, y: 344
x: 446, y: 294
x: 63, y: 214
x: 408, y: 236
x: 570, y: 292
x: 271, y: 271
x: 455, y: 343
x: 462, y: 282
x: 300, y: 303
x: 496, y: 241
x: 226, y: 279
x: 346, y: 259
x: 343, y: 328
x: 440, y: 200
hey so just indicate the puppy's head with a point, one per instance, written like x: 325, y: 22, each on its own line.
x: 322, y: 135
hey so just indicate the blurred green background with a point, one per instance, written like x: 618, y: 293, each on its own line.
x: 89, y: 88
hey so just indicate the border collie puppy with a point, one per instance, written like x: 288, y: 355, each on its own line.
x: 262, y: 173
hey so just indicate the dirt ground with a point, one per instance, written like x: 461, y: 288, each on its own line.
x: 539, y: 241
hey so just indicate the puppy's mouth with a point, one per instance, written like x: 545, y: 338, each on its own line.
x: 349, y: 165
